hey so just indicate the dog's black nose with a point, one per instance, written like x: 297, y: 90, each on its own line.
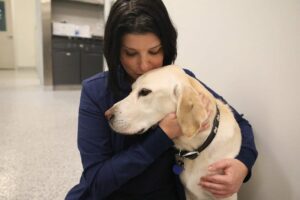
x: 109, y: 115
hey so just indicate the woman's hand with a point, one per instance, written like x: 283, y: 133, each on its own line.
x: 225, y: 177
x: 170, y: 126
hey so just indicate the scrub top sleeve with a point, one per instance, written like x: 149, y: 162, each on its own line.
x: 104, y: 170
x: 248, y: 152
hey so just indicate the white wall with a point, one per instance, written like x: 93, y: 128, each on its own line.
x: 24, y: 23
x: 39, y: 42
x: 249, y: 52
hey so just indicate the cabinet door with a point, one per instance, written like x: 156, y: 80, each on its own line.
x: 91, y: 64
x: 66, y: 67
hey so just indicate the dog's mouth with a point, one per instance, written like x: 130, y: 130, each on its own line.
x: 130, y: 133
x: 140, y: 131
x: 144, y: 129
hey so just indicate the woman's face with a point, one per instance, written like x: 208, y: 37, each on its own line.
x: 140, y: 53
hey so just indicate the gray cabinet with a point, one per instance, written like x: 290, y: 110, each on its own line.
x: 91, y: 59
x: 75, y: 59
x: 66, y: 67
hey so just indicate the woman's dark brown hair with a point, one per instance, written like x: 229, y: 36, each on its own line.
x: 137, y: 16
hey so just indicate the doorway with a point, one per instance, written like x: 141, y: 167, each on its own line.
x: 6, y: 36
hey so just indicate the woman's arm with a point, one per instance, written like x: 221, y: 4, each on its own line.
x: 236, y: 171
x: 248, y: 152
x: 104, y: 170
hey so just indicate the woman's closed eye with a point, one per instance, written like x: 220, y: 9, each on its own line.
x: 155, y: 51
x: 130, y: 54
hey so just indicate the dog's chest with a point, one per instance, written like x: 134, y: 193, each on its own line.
x: 190, y: 177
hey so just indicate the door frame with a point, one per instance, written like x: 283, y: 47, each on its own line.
x: 8, y: 6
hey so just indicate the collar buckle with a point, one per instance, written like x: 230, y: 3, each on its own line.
x: 191, y: 155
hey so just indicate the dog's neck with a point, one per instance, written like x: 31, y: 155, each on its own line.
x: 201, y: 140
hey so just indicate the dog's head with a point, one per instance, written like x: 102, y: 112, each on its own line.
x: 157, y: 93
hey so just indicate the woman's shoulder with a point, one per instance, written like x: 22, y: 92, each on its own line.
x: 189, y: 72
x: 96, y: 86
x: 96, y: 79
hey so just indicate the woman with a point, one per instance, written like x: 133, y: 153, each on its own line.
x: 139, y: 36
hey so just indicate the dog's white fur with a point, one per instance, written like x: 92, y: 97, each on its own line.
x: 172, y: 90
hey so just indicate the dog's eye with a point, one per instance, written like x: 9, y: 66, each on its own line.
x: 144, y: 92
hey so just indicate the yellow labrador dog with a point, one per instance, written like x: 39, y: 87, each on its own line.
x: 169, y: 89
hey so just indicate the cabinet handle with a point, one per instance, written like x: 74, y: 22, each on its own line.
x: 68, y: 54
x: 81, y: 45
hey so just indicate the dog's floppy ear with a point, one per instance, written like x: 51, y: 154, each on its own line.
x: 193, y: 109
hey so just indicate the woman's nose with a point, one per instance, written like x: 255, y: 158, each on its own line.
x: 144, y: 64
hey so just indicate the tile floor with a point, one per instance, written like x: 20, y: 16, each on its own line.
x: 39, y: 159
